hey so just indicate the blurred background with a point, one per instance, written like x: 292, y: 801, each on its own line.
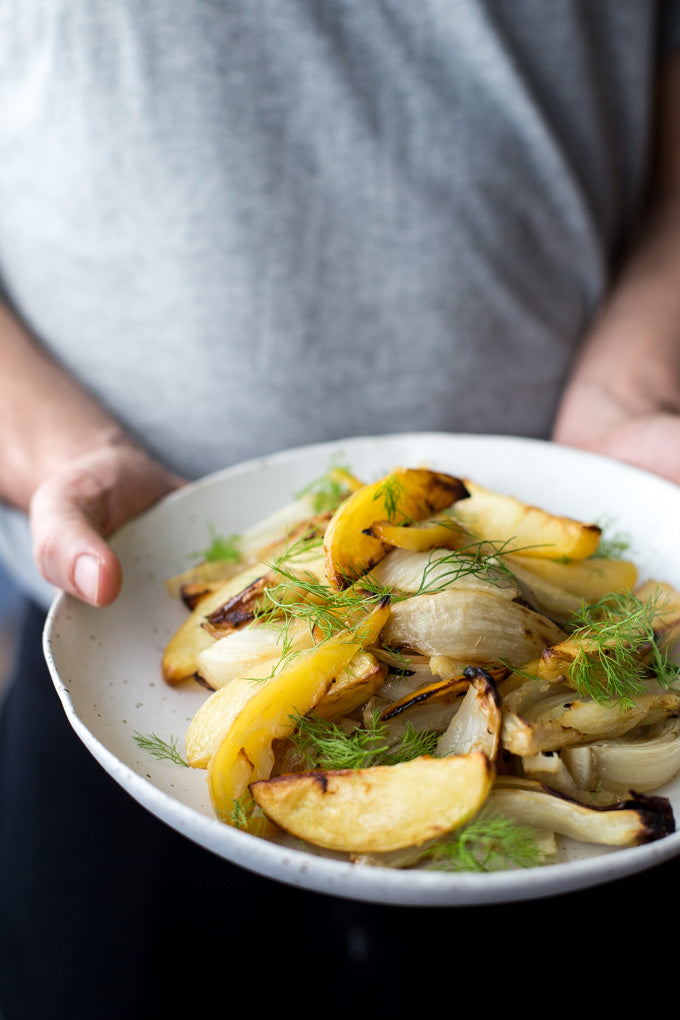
x: 9, y: 611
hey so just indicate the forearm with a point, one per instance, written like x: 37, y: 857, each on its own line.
x: 70, y: 466
x: 46, y: 419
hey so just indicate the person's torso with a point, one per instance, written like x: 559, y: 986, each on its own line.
x: 253, y: 225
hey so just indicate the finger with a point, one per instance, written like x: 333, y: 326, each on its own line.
x: 69, y: 551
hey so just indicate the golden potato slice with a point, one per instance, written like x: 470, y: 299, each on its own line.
x: 589, y: 579
x: 382, y: 808
x: 421, y: 537
x: 514, y: 526
x: 209, y: 725
x: 245, y: 753
x: 404, y: 495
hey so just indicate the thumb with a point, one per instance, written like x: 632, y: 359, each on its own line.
x: 69, y: 551
x: 72, y: 511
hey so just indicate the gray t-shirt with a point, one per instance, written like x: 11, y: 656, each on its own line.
x: 252, y: 224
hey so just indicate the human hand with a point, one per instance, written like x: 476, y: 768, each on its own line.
x: 73, y: 511
x: 650, y: 441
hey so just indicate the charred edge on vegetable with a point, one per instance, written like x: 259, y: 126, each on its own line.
x: 202, y: 682
x: 310, y: 530
x: 491, y: 679
x: 455, y: 486
x: 655, y: 814
x: 238, y: 610
x: 459, y: 686
x: 317, y: 776
x: 191, y: 593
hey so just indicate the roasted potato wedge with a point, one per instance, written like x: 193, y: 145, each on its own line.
x: 587, y: 579
x: 245, y: 754
x: 403, y: 495
x: 514, y: 526
x: 377, y: 809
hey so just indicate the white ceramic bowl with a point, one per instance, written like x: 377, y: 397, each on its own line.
x: 105, y: 663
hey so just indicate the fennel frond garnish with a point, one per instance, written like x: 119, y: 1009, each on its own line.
x: 159, y: 748
x: 475, y: 559
x: 618, y: 650
x: 323, y: 744
x: 612, y: 545
x: 327, y: 491
x: 392, y: 492
x: 301, y: 595
x: 221, y: 547
x: 488, y: 842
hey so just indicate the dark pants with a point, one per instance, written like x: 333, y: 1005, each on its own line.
x: 106, y: 912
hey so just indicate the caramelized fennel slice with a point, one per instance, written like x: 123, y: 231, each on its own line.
x: 478, y: 625
x: 191, y: 638
x: 629, y: 823
x: 404, y: 570
x: 476, y: 726
x: 539, y: 717
x: 644, y: 760
x: 254, y: 651
x: 556, y: 662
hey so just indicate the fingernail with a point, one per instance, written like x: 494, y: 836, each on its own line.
x: 86, y: 577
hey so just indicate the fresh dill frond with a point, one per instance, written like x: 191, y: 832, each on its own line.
x: 327, y: 491
x: 489, y: 842
x: 323, y: 744
x: 392, y: 492
x: 413, y: 744
x: 474, y: 559
x: 246, y: 815
x: 613, y: 545
x: 617, y: 648
x: 300, y: 595
x: 221, y: 547
x: 159, y: 748
x: 240, y: 811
